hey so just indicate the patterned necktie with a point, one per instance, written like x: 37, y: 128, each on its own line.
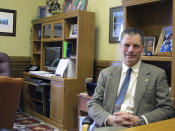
x: 123, y: 90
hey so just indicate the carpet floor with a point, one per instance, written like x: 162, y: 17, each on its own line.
x: 26, y: 122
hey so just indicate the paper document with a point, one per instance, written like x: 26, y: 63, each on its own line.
x: 62, y: 65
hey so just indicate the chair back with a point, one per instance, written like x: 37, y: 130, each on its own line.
x: 10, y: 90
x: 4, y: 64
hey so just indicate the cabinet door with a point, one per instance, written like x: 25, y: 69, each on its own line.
x: 56, y: 101
x: 53, y: 30
x: 46, y: 31
x: 58, y: 30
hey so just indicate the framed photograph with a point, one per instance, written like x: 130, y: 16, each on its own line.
x: 80, y: 4
x: 67, y: 6
x: 7, y: 22
x: 42, y: 11
x: 164, y: 46
x: 115, y: 24
x: 149, y: 45
x: 73, y: 31
x: 167, y: 40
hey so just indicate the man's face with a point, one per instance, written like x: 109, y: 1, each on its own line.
x: 131, y: 49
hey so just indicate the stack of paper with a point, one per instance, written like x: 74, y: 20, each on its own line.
x: 66, y: 68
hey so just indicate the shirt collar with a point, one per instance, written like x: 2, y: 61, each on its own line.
x: 135, y: 68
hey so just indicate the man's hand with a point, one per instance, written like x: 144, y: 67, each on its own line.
x: 123, y: 119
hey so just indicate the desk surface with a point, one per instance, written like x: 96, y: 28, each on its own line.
x: 166, y: 125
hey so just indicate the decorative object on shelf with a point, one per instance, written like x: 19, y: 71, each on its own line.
x: 167, y: 42
x: 67, y: 6
x: 53, y: 6
x: 159, y: 42
x: 164, y: 46
x: 80, y: 4
x: 116, y: 24
x: 42, y: 11
x: 149, y: 45
x: 73, y: 31
x: 7, y: 22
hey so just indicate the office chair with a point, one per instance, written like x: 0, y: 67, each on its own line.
x: 4, y: 64
x: 10, y: 89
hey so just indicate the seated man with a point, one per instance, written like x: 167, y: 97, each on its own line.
x: 140, y: 98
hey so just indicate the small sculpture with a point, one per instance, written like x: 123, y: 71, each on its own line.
x: 54, y: 6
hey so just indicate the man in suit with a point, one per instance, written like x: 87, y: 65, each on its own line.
x: 147, y: 97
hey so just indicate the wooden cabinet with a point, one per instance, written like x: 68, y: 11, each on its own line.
x: 151, y: 16
x: 54, y: 32
x: 57, y: 101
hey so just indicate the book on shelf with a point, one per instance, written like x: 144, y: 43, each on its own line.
x: 69, y: 49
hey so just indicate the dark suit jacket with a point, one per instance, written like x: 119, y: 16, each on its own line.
x: 152, y: 98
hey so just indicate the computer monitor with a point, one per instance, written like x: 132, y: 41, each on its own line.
x: 52, y: 57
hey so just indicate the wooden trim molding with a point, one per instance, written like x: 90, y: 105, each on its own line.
x: 20, y: 63
x: 136, y: 2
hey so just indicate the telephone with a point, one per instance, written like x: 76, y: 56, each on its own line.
x: 32, y: 68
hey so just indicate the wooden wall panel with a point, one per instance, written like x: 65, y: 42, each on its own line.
x: 101, y: 64
x: 18, y: 65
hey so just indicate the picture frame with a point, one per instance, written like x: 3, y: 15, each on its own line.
x: 7, y: 22
x: 149, y: 45
x: 73, y: 31
x: 115, y: 24
x: 80, y: 4
x: 167, y: 40
x: 163, y: 48
x: 42, y: 11
x: 67, y: 6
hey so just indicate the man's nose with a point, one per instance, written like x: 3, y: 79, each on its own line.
x: 131, y: 48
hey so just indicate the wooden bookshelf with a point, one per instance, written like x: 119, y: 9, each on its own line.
x: 151, y: 16
x: 53, y: 31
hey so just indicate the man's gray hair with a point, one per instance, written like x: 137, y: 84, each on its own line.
x: 133, y: 31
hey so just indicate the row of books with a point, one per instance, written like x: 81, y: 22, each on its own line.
x: 69, y: 50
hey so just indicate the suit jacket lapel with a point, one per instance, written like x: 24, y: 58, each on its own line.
x: 114, y: 80
x: 142, y: 82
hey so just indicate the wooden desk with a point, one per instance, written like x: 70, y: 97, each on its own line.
x: 166, y: 125
x: 82, y: 106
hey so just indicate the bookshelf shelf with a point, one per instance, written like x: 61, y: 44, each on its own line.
x: 156, y: 58
x: 40, y: 101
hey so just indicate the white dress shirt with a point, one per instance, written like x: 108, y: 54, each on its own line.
x: 128, y: 102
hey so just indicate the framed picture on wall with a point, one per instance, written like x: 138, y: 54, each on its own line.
x: 7, y: 22
x: 80, y: 4
x: 67, y: 6
x: 115, y: 24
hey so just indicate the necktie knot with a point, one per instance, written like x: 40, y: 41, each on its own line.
x: 129, y: 70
